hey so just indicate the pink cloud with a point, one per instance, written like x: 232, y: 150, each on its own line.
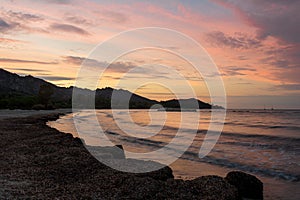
x: 262, y: 31
x: 278, y: 19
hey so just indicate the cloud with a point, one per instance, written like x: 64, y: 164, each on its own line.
x: 114, y: 16
x: 243, y: 58
x: 275, y: 18
x: 120, y: 67
x: 56, y: 78
x: 8, y: 40
x: 59, y: 1
x: 111, y: 77
x: 78, y: 20
x: 76, y: 60
x: 235, y: 71
x: 5, y: 26
x: 287, y: 87
x: 123, y: 67
x: 7, y: 43
x: 243, y: 83
x: 8, y: 60
x: 23, y: 17
x: 285, y: 63
x: 172, y: 48
x: 13, y: 22
x: 283, y: 57
x: 115, y: 67
x: 28, y: 70
x: 237, y: 41
x: 68, y: 28
x: 289, y: 75
x: 161, y: 94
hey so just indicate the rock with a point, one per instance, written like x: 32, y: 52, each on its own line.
x: 205, y: 187
x: 162, y: 174
x: 132, y: 187
x: 79, y: 141
x: 108, y: 152
x: 137, y: 168
x: 248, y: 185
x: 213, y: 187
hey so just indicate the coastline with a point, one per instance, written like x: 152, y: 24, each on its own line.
x: 38, y: 161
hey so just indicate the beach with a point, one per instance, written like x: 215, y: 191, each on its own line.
x: 39, y: 162
x: 264, y: 143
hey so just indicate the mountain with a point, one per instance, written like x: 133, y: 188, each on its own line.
x: 25, y: 92
x: 14, y: 89
x: 120, y: 99
x: 186, y: 104
x: 13, y: 84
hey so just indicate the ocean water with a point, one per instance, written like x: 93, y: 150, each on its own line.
x: 265, y: 143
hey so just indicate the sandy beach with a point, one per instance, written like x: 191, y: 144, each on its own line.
x: 39, y: 162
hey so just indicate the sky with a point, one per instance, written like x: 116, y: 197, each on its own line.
x: 254, y: 44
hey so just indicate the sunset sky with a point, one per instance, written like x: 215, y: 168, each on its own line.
x: 255, y: 44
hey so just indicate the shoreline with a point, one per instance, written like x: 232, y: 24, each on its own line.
x: 38, y: 161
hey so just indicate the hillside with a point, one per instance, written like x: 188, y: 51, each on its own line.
x: 23, y: 92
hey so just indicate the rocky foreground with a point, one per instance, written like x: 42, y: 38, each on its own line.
x: 39, y: 162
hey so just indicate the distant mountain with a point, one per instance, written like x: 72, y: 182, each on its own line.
x: 119, y: 99
x: 23, y: 92
x: 186, y: 104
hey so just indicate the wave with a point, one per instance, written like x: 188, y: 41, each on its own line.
x: 278, y: 143
x: 273, y: 127
x: 279, y: 147
x: 258, y: 111
x: 247, y: 135
x: 111, y: 133
x: 142, y: 141
x: 189, y: 155
x: 251, y: 168
x: 193, y: 156
x: 287, y: 127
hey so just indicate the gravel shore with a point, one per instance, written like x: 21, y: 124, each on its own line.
x: 39, y: 162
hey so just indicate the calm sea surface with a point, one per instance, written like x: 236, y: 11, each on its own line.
x: 265, y: 143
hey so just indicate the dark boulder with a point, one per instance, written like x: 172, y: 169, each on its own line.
x: 108, y: 152
x: 213, y: 187
x: 205, y: 187
x: 162, y: 174
x: 132, y: 187
x: 248, y: 185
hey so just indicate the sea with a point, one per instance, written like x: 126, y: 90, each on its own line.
x: 265, y: 143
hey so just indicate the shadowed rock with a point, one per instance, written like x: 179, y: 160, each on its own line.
x: 248, y: 185
x: 205, y: 187
x: 109, y: 152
